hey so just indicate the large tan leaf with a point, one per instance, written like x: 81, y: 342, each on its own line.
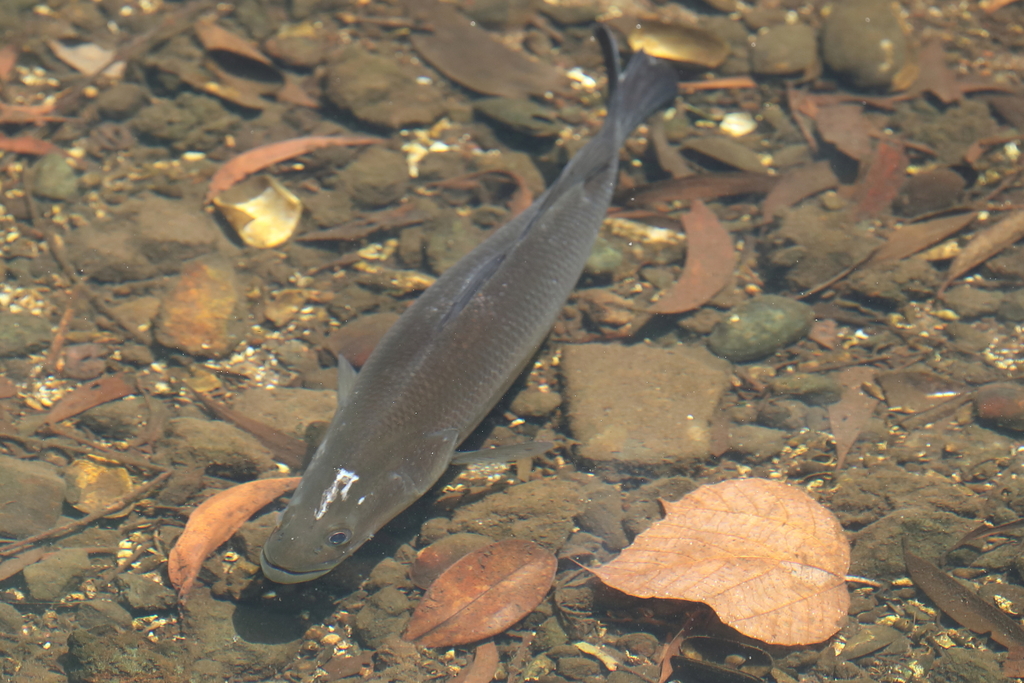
x: 764, y: 555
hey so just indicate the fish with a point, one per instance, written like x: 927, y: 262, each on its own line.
x: 452, y: 355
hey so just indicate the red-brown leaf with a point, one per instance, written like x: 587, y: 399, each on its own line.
x: 260, y: 158
x: 26, y: 144
x: 214, y: 522
x: 482, y: 668
x: 846, y: 127
x: 912, y: 238
x: 985, y: 245
x: 882, y: 181
x: 90, y: 395
x: 764, y: 555
x: 849, y: 416
x: 710, y: 259
x: 483, y: 594
x: 797, y: 185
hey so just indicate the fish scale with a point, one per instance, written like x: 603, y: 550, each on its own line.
x: 449, y: 358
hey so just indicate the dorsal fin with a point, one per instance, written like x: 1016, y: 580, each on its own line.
x: 610, y: 51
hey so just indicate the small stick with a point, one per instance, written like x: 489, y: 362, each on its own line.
x: 120, y: 503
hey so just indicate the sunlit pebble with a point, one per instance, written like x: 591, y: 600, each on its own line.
x: 738, y: 124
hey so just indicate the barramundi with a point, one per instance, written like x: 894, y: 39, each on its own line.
x: 449, y: 358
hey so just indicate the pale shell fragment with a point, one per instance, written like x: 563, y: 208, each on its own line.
x: 738, y: 123
x: 266, y: 220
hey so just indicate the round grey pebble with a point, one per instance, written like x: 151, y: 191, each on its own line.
x: 53, y: 178
x: 760, y: 327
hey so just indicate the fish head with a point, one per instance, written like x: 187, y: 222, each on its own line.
x: 337, y: 508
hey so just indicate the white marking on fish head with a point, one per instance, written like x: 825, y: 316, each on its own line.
x: 343, y: 481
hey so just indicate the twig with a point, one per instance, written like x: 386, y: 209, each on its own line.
x: 119, y: 504
x: 53, y: 364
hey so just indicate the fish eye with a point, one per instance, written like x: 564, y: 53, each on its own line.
x: 338, y: 537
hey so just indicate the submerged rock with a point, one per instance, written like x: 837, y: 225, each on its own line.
x: 760, y: 327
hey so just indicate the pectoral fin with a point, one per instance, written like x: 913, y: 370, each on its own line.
x: 346, y: 380
x: 503, y: 453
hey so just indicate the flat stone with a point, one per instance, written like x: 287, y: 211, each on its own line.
x: 146, y: 594
x: 170, y: 231
x: 23, y: 333
x: 644, y: 406
x: 103, y: 613
x: 289, y: 410
x: 117, y: 420
x: 759, y: 327
x: 380, y: 91
x: 11, y: 619
x: 107, y: 252
x: 198, y: 315
x: 219, y: 448
x: 33, y: 494
x: 51, y: 577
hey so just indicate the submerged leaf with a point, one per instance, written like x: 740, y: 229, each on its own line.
x: 764, y: 555
x: 710, y: 259
x: 961, y: 603
x: 483, y: 594
x: 214, y: 522
x: 985, y: 245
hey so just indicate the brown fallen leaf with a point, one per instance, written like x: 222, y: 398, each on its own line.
x: 483, y: 594
x: 437, y: 557
x: 471, y: 57
x: 846, y: 127
x: 482, y: 668
x: 916, y: 237
x: 215, y: 38
x: 260, y: 158
x: 850, y: 414
x: 768, y: 559
x: 214, y: 522
x: 985, y: 245
x: 90, y: 395
x: 26, y: 144
x: 962, y: 604
x: 799, y: 184
x: 710, y: 260
x: 882, y: 181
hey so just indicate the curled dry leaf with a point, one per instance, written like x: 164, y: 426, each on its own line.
x: 710, y: 260
x: 260, y: 158
x: 214, y: 522
x: 764, y: 555
x: 483, y: 594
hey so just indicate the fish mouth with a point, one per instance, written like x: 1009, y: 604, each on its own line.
x: 281, y: 575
